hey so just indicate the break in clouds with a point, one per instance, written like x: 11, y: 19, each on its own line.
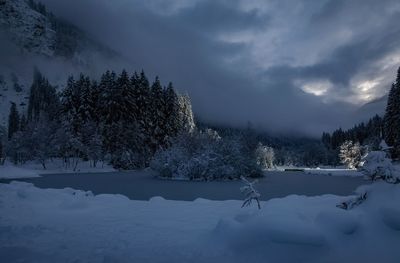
x: 286, y: 66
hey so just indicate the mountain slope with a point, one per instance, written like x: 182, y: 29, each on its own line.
x: 29, y: 29
x: 35, y: 30
x: 31, y: 36
x: 372, y: 108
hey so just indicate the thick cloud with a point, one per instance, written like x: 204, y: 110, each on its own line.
x: 285, y: 65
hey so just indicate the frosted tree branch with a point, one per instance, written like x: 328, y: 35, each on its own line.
x: 250, y: 192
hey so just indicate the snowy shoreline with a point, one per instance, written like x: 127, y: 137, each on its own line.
x: 76, y: 226
x: 33, y: 169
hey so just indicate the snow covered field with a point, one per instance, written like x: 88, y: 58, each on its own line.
x: 34, y: 169
x: 333, y: 172
x: 67, y: 225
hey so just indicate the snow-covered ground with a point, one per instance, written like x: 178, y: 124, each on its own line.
x: 9, y: 171
x: 330, y: 171
x: 333, y: 172
x: 67, y: 225
x: 341, y: 171
x: 34, y: 169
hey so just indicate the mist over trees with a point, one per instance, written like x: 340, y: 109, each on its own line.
x: 127, y: 121
x: 369, y: 134
x: 67, y: 35
x: 278, y: 150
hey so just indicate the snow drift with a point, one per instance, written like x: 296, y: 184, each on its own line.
x: 75, y: 226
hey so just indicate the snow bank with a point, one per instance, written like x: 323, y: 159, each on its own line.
x: 333, y: 172
x: 67, y: 225
x: 311, y: 229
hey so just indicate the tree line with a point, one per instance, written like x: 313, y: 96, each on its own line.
x: 122, y: 119
x: 369, y: 134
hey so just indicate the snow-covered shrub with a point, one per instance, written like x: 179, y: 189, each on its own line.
x: 377, y: 165
x: 250, y: 193
x: 204, y: 155
x: 265, y: 156
x: 350, y: 154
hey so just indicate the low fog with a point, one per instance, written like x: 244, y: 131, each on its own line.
x: 296, y: 70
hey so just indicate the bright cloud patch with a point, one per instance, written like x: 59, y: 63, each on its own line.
x: 317, y: 88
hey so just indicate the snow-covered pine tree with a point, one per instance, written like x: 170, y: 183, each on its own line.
x: 84, y: 99
x: 110, y: 111
x: 43, y: 99
x: 186, y: 114
x: 157, y: 113
x: 2, y: 148
x: 127, y: 95
x: 1, y: 152
x: 94, y: 102
x: 326, y: 140
x: 13, y: 120
x: 141, y: 94
x: 378, y: 165
x: 172, y: 113
x: 392, y: 118
x: 23, y: 123
x: 70, y: 104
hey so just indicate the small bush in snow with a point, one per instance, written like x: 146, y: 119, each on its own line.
x: 250, y: 193
x: 377, y: 165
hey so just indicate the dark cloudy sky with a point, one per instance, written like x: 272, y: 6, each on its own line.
x: 298, y: 66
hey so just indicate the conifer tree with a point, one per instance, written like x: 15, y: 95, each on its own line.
x: 43, y: 99
x: 142, y: 98
x: 1, y: 152
x: 392, y: 118
x: 13, y: 120
x: 23, y: 123
x: 171, y: 111
x: 157, y: 114
x: 186, y: 114
x: 126, y: 97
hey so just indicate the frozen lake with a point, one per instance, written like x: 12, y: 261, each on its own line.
x: 142, y: 186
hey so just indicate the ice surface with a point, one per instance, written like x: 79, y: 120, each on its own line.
x: 33, y: 169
